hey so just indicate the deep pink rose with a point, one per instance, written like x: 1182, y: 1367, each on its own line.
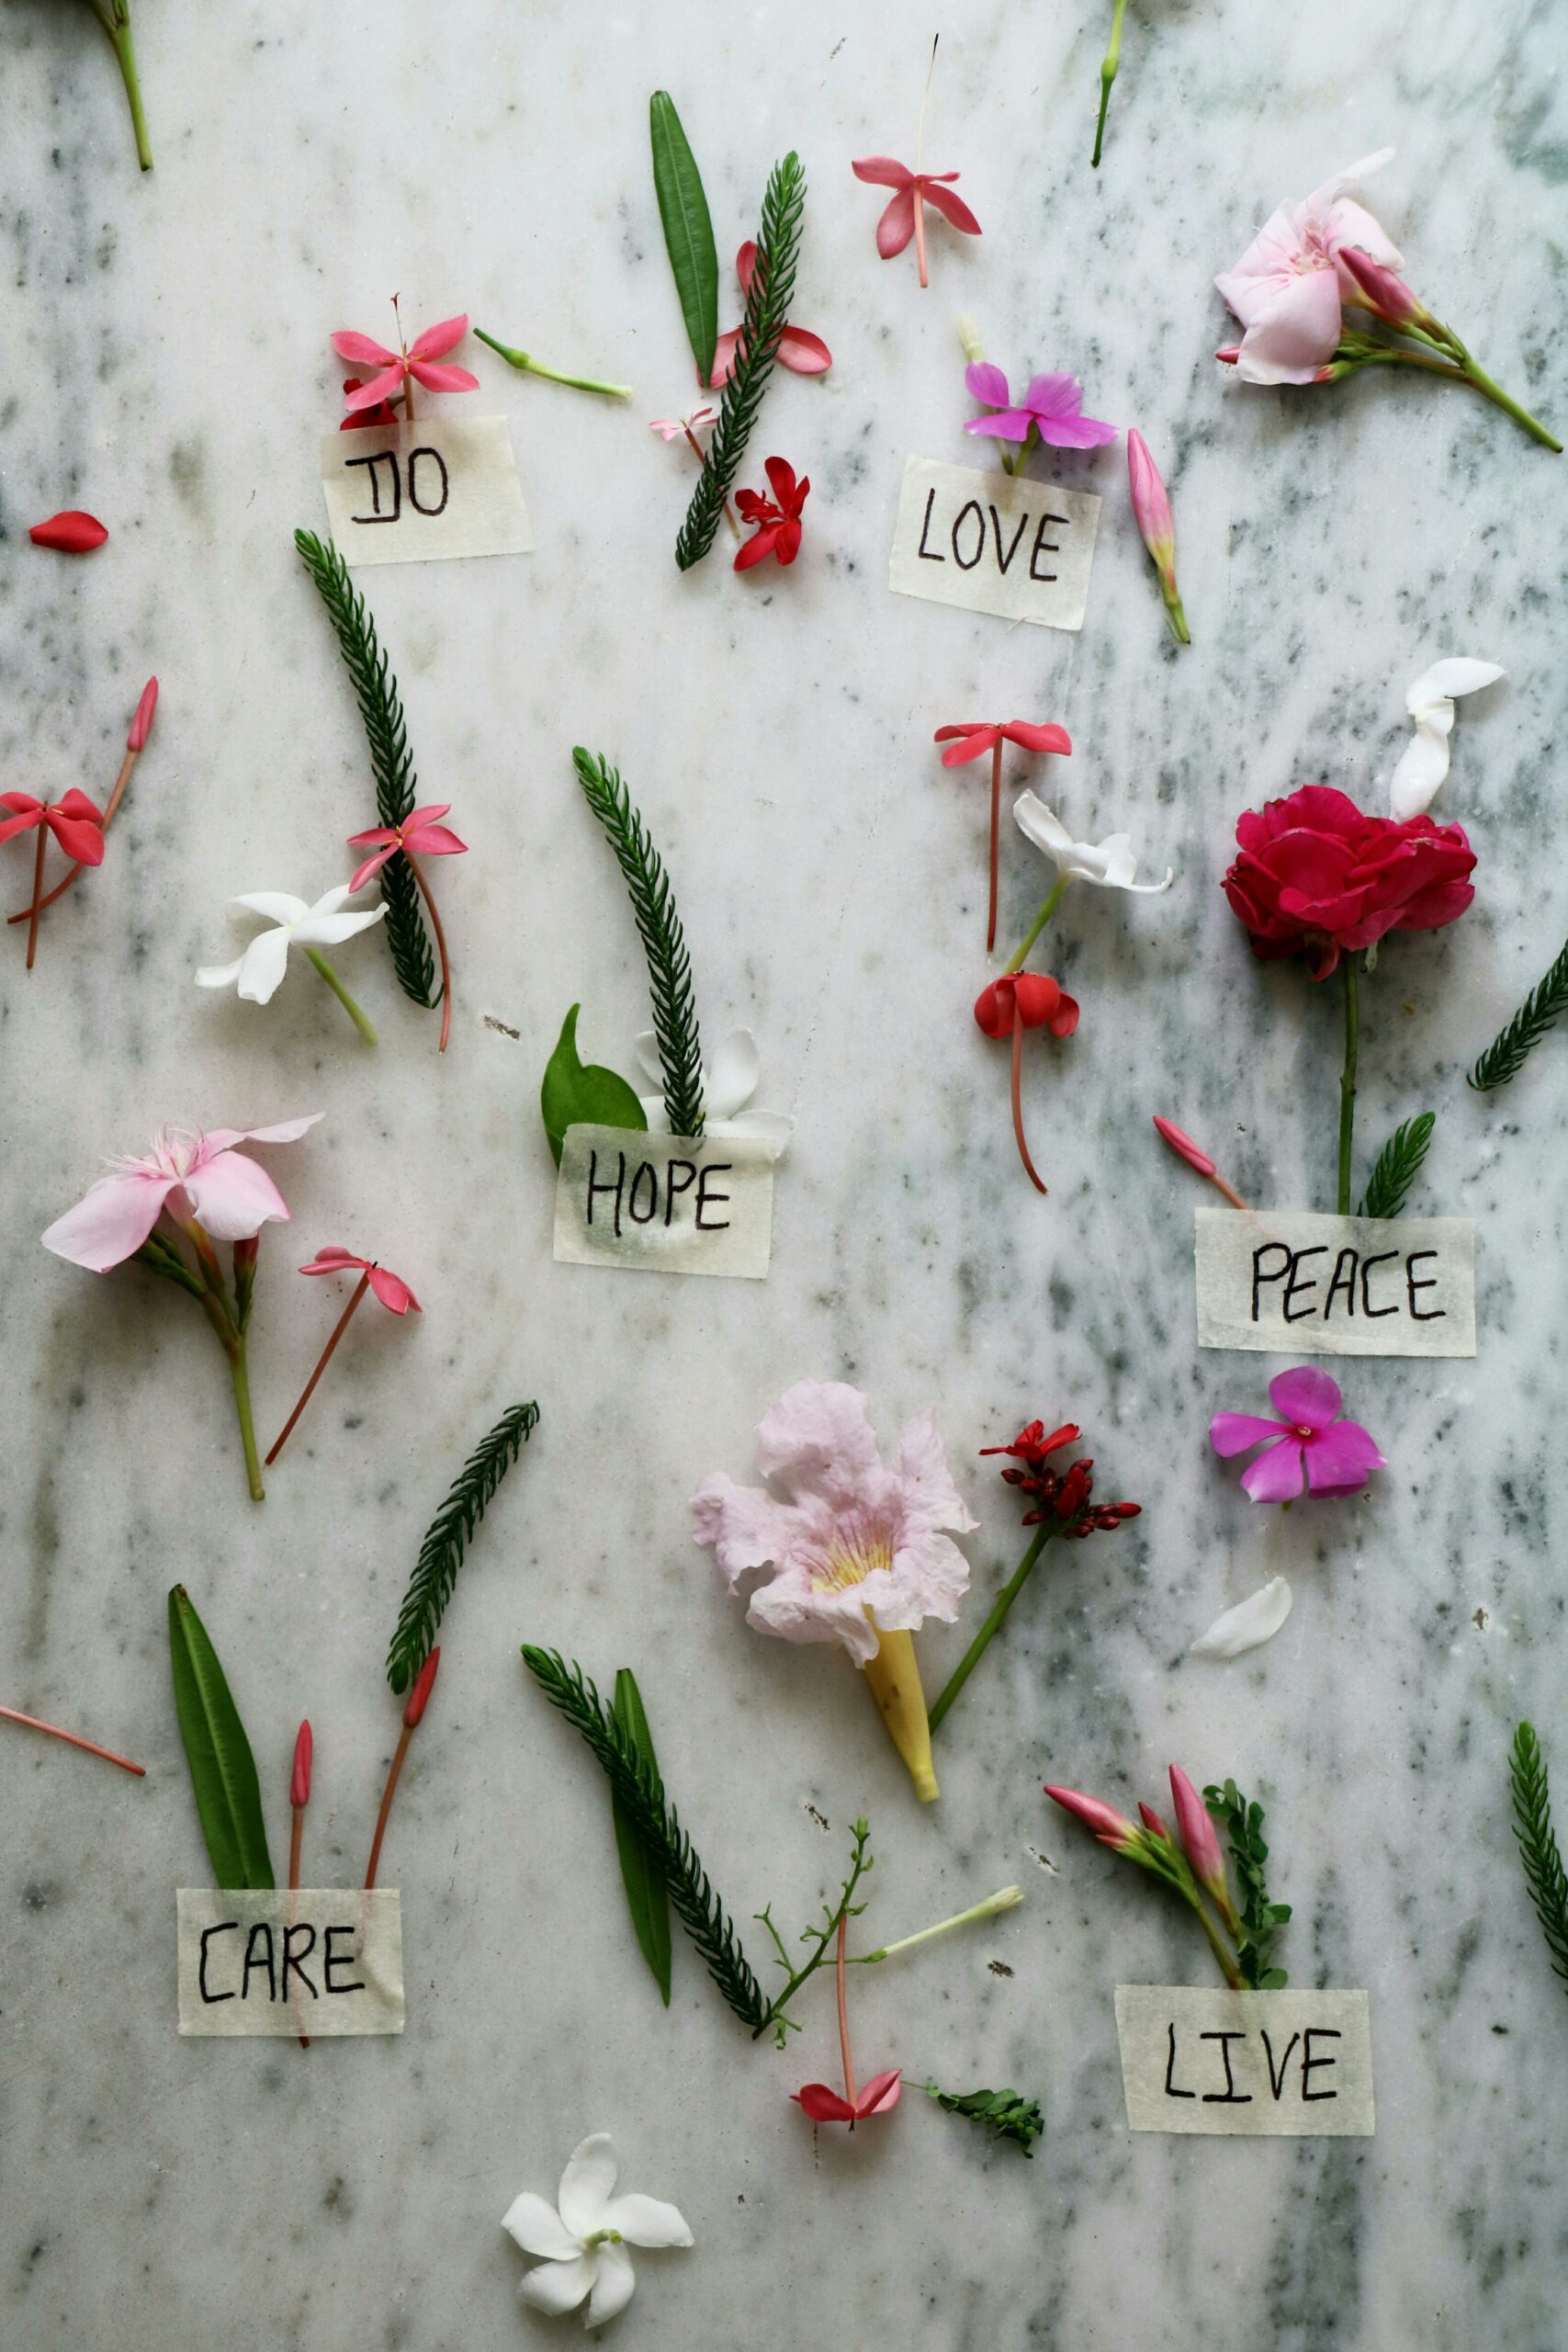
x: 1314, y: 875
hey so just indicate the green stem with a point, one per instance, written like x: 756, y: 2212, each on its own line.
x: 822, y: 1937
x: 532, y: 367
x: 1052, y: 900
x: 1348, y: 1080
x: 115, y: 19
x: 239, y: 1372
x: 1003, y: 1602
x: 1221, y: 1951
x: 1174, y: 613
x: 1478, y: 380
x: 1107, y: 76
x: 342, y: 994
x: 988, y: 1909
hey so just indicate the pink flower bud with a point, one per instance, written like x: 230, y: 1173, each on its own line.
x: 1199, y: 1838
x: 300, y: 1786
x: 142, y: 725
x: 1153, y: 1823
x: 1382, y: 291
x: 1111, y: 1828
x: 419, y: 1697
x: 1229, y: 354
x: 1150, y: 503
x: 1184, y: 1145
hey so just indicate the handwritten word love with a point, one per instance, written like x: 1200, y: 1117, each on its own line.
x: 994, y: 543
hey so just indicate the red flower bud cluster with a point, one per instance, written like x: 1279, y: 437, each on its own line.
x: 1063, y: 1495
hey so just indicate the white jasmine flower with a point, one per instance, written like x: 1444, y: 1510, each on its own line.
x: 728, y: 1086
x: 295, y: 924
x: 582, y: 2240
x: 1430, y: 702
x: 1109, y: 865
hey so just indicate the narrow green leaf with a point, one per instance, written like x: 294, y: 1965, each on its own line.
x: 688, y: 230
x: 648, y: 1891
x: 223, y: 1770
x: 577, y: 1093
x: 448, y: 1539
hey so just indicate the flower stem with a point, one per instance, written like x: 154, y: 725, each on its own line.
x: 239, y: 1372
x: 75, y: 1740
x: 440, y: 949
x: 1003, y: 1602
x: 1029, y: 1168
x: 1467, y: 372
x: 844, y: 2016
x: 1107, y: 76
x: 34, y: 910
x: 1052, y: 900
x: 1348, y: 1080
x: 115, y: 17
x: 921, y: 236
x: 1221, y: 1951
x: 819, y: 1937
x: 996, y: 825
x: 399, y: 1753
x: 342, y: 994
x: 338, y: 1329
x: 529, y: 366
x: 1002, y: 1901
x: 1174, y: 614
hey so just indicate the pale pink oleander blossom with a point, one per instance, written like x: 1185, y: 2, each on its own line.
x: 1309, y: 1443
x: 1288, y: 285
x: 193, y: 1177
x: 854, y: 1548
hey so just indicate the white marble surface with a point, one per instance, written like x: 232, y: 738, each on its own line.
x: 168, y: 366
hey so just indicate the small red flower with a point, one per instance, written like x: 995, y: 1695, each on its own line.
x: 1031, y: 1444
x: 73, y: 531
x: 390, y: 1288
x: 75, y: 823
x: 825, y: 2104
x: 1022, y: 1001
x: 778, y: 533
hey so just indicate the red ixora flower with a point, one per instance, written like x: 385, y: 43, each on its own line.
x: 1031, y: 1444
x: 419, y: 835
x: 1315, y: 875
x: 390, y: 1288
x: 806, y: 353
x: 777, y: 518
x: 825, y: 2104
x: 1022, y: 1001
x: 77, y: 825
x: 1062, y: 1497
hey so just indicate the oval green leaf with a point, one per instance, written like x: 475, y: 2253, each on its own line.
x: 688, y: 230
x: 223, y: 1770
x: 577, y: 1093
x: 647, y: 1894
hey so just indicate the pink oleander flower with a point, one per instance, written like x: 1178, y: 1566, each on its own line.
x: 419, y: 832
x: 1309, y: 1443
x: 192, y: 1177
x: 1151, y: 509
x: 825, y: 2104
x: 905, y: 215
x: 805, y: 353
x: 1288, y: 285
x: 411, y: 363
x: 1051, y: 408
x: 75, y: 822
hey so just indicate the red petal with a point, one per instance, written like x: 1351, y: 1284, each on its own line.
x: 952, y: 207
x: 755, y: 550
x: 363, y: 350
x: 896, y: 225
x: 334, y: 1259
x: 72, y: 531
x: 822, y: 2104
x: 745, y: 264
x: 442, y: 379
x: 723, y: 358
x: 806, y: 353
x: 391, y: 1290
x: 968, y: 743
x: 1037, y: 739
x: 883, y: 172
x: 781, y: 473
x: 880, y: 2095
x: 436, y: 342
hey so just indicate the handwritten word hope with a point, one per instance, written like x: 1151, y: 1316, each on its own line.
x: 994, y: 543
x: 1331, y: 1285
x: 414, y: 493
x: 1204, y: 2060
x: 321, y: 1961
x: 664, y: 1204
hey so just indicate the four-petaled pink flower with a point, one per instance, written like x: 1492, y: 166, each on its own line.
x: 194, y: 1177
x: 806, y: 353
x: 777, y: 518
x: 77, y: 825
x: 417, y: 832
x: 905, y: 216
x: 390, y: 1288
x: 1288, y: 287
x: 825, y: 2104
x: 413, y: 363
x: 1309, y: 1440
x: 1051, y: 407
x: 667, y: 427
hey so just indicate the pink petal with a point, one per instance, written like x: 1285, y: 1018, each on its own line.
x: 362, y: 874
x: 392, y: 1291
x: 1339, y: 1461
x: 442, y: 379
x: 987, y: 383
x: 883, y: 172
x: 1031, y: 738
x: 896, y: 225
x: 1276, y: 1476
x: 880, y: 2095
x: 1075, y: 432
x: 283, y: 1131
x: 79, y: 839
x: 1053, y: 395
x: 1294, y: 334
x: 334, y: 1259
x: 386, y: 836
x: 1234, y: 1432
x: 437, y: 341
x: 742, y: 1527
x: 1112, y: 1828
x: 1012, y: 425
x: 111, y: 1224
x: 724, y: 352
x: 971, y: 744
x: 379, y: 387
x: 804, y: 352
x: 362, y: 351
x: 421, y: 815
x: 234, y: 1197
x: 817, y: 1440
x: 745, y: 265
x: 822, y: 2104
x: 952, y: 207
x: 1305, y: 1396
x: 434, y: 841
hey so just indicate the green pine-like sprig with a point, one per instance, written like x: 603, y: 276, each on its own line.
x: 664, y: 941
x: 641, y: 1792
x: 1541, y: 1009
x: 1398, y: 1165
x: 1261, y: 1920
x: 386, y: 731
x: 450, y: 1533
x: 1007, y: 2114
x: 767, y: 315
x: 1544, y: 1873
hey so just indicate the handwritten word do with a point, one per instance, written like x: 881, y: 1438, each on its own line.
x: 427, y: 494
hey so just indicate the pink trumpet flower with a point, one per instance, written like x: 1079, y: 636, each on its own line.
x: 970, y: 740
x: 1309, y: 1444
x: 1151, y: 508
x: 419, y: 835
x: 905, y: 215
x: 400, y: 370
x: 799, y: 349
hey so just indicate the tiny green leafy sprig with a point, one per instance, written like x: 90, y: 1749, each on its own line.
x: 386, y: 733
x: 664, y: 941
x: 1544, y: 1873
x: 1541, y: 1009
x: 816, y: 1940
x: 1261, y: 1920
x: 1398, y: 1165
x: 649, y: 1812
x: 767, y: 315
x: 449, y: 1536
x: 1007, y: 2114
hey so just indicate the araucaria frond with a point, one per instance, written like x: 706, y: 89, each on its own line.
x: 767, y: 315
x: 451, y: 1532
x: 1398, y: 1165
x: 641, y: 1792
x: 386, y: 733
x: 669, y: 963
x: 1544, y: 1873
x: 1541, y: 1009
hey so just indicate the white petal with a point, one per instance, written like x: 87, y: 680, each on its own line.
x: 646, y: 1048
x: 557, y: 2287
x: 612, y: 2289
x: 587, y: 2183
x: 1457, y: 675
x: 219, y: 976
x: 1423, y: 764
x: 1118, y: 867
x: 762, y: 1127
x: 329, y: 930
x: 1045, y: 829
x: 538, y: 2228
x: 1252, y: 1622
x: 653, y: 1111
x: 732, y: 1080
x: 1352, y: 177
x: 647, y: 2220
x: 263, y: 964
x: 333, y: 902
x: 278, y: 906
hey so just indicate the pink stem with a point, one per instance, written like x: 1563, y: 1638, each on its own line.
x: 75, y: 1740
x: 36, y: 907
x: 995, y: 821
x: 338, y: 1330
x: 1234, y: 1197
x: 844, y: 2017
x: 116, y: 796
x: 441, y: 951
x: 921, y: 236
x: 1030, y: 1169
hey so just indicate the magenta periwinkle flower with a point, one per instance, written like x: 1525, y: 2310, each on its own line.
x: 1151, y: 508
x: 1310, y: 1445
x: 1050, y: 409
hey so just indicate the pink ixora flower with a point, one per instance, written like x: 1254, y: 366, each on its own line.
x: 825, y: 2104
x: 970, y: 740
x: 195, y: 1178
x: 411, y: 363
x: 390, y: 1288
x: 1309, y: 1442
x: 799, y: 349
x: 1051, y: 409
x: 77, y: 825
x: 905, y: 215
x: 669, y: 427
x: 777, y: 519
x: 1288, y: 285
x: 420, y: 833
